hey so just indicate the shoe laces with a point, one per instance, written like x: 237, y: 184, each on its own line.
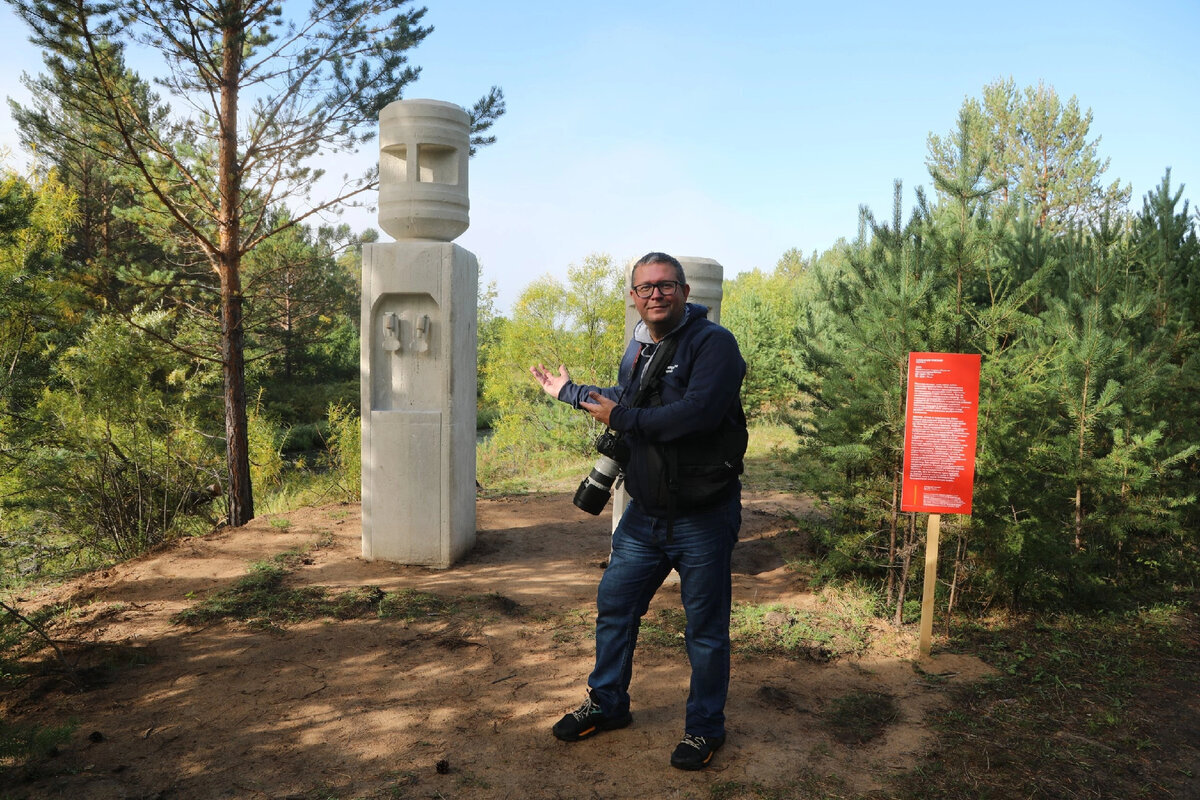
x: 697, y: 742
x: 588, y: 708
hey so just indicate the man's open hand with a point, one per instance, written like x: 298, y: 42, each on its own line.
x: 551, y: 384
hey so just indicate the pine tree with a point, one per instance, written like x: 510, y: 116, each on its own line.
x: 1165, y: 258
x: 863, y: 322
x: 1040, y: 153
x: 297, y: 295
x: 313, y: 85
x: 107, y: 239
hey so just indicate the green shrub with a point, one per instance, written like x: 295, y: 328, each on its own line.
x: 345, y: 451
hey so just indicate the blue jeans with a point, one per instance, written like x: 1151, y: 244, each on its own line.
x: 700, y: 549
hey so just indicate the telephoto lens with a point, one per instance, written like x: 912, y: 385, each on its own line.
x: 596, y: 488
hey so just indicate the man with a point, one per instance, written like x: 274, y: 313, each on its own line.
x: 677, y: 406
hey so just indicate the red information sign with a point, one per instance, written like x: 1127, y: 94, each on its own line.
x: 939, y: 432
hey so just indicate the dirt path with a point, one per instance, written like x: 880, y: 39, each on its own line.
x: 447, y: 706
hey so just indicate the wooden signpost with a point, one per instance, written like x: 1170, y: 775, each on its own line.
x: 941, y: 418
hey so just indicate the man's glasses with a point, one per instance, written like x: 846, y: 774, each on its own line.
x: 665, y: 288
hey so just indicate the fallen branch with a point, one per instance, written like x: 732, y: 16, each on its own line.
x: 37, y: 629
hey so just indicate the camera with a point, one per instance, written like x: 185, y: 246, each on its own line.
x: 596, y: 488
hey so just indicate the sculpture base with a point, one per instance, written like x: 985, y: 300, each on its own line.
x: 418, y: 362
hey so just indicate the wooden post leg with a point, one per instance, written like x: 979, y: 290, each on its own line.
x: 931, y: 557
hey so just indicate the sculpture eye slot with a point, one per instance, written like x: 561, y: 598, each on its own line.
x: 437, y: 164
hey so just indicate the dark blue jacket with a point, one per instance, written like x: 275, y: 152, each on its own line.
x: 700, y: 395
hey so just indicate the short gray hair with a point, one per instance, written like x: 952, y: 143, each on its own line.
x: 655, y: 257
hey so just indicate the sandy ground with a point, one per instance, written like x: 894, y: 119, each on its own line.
x: 452, y: 706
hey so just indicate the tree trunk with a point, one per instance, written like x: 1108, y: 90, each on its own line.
x: 910, y: 544
x: 289, y: 357
x: 959, y: 553
x: 892, y: 524
x: 897, y: 488
x: 233, y: 363
x: 237, y: 440
x: 1079, y: 468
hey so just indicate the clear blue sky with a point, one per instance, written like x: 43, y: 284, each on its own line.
x: 735, y: 131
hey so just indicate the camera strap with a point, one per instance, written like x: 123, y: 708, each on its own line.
x: 653, y: 372
x: 647, y: 394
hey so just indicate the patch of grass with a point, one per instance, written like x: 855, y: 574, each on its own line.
x: 16, y: 637
x: 296, y: 557
x: 493, y: 605
x: 768, y: 438
x: 411, y: 604
x: 767, y: 467
x: 808, y: 785
x: 1077, y: 703
x: 736, y: 790
x: 24, y: 635
x: 262, y: 598
x: 401, y: 783
x: 258, y: 597
x: 20, y: 745
x: 664, y: 628
x: 301, y: 486
x: 859, y: 717
x: 469, y: 780
x: 542, y: 471
x: 573, y: 625
x: 840, y: 627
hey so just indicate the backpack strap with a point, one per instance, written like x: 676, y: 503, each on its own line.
x: 652, y: 376
x: 648, y: 395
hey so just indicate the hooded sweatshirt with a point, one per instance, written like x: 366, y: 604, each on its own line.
x: 699, y: 392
